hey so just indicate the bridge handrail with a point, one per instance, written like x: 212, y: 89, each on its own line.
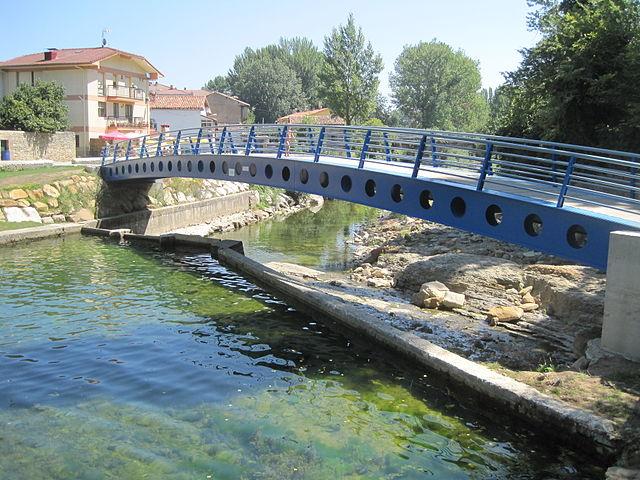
x: 598, y: 171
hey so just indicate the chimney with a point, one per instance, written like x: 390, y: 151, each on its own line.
x: 51, y: 54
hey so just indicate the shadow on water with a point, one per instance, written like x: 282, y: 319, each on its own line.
x: 126, y: 363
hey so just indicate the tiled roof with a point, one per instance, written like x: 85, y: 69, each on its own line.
x: 161, y: 89
x: 227, y: 96
x: 72, y: 56
x: 180, y: 101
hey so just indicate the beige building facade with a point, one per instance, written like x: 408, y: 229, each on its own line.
x: 106, y: 90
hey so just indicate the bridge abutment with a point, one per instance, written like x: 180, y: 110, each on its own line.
x: 621, y: 323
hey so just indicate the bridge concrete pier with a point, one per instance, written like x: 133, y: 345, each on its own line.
x: 621, y: 323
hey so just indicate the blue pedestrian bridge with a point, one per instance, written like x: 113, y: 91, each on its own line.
x: 555, y: 198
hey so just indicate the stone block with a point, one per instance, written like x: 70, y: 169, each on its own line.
x: 22, y: 214
x: 18, y: 194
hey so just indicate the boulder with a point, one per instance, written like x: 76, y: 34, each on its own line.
x: 6, y: 202
x: 47, y: 220
x: 528, y: 298
x: 22, y: 214
x: 53, y: 202
x: 18, y: 194
x: 59, y: 218
x: 453, y: 300
x: 51, y: 191
x: 82, y: 215
x: 41, y: 207
x: 505, y: 314
x: 529, y: 307
x: 434, y: 289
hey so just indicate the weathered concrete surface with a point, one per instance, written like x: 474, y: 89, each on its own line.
x: 621, y: 323
x: 577, y: 427
x: 37, y: 233
x: 166, y: 219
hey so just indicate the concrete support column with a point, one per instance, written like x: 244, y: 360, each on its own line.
x: 621, y: 323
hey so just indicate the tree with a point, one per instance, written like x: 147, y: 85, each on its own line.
x: 270, y: 87
x: 220, y: 83
x: 304, y: 58
x: 349, y: 76
x: 438, y: 88
x: 579, y: 83
x: 37, y: 108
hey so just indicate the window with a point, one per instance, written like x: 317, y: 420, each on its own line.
x: 128, y: 111
x: 116, y: 110
x: 206, y: 123
x: 4, y: 145
x: 102, y: 109
x: 33, y: 78
x: 77, y: 141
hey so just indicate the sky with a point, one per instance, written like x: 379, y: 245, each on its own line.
x: 192, y: 41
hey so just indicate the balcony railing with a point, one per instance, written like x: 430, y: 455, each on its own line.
x: 127, y: 122
x: 123, y: 92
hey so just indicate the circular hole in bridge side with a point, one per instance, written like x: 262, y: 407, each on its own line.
x: 268, y: 171
x: 189, y: 166
x: 253, y: 170
x: 286, y: 174
x: 110, y: 172
x: 153, y: 166
x: 169, y: 165
x: 179, y: 165
x: 160, y: 166
x: 370, y: 188
x: 212, y: 166
x: 129, y: 169
x: 493, y: 215
x: 533, y: 225
x: 304, y: 176
x: 346, y: 183
x: 122, y: 169
x: 577, y: 236
x: 225, y: 168
x: 200, y: 166
x: 238, y: 168
x: 458, y: 207
x: 137, y: 168
x: 426, y: 199
x: 144, y: 167
x: 324, y: 179
x: 397, y: 194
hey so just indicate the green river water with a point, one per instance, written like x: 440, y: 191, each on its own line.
x: 124, y: 363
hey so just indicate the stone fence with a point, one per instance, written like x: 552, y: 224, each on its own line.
x: 59, y: 146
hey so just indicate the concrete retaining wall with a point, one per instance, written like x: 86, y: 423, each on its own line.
x: 166, y: 219
x: 59, y: 146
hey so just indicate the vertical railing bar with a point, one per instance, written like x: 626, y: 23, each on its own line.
x: 347, y: 146
x: 126, y: 157
x: 283, y: 134
x: 312, y: 148
x: 486, y: 167
x: 387, y: 150
x: 222, y: 139
x: 566, y: 182
x: 198, y: 140
x: 143, y: 146
x: 159, y: 147
x: 252, y: 133
x: 634, y: 179
x: 365, y: 148
x: 316, y: 158
x: 419, y: 155
x: 212, y: 147
x: 554, y: 166
x: 234, y: 150
x: 434, y: 152
x: 176, y: 145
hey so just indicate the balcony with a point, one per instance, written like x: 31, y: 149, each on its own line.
x: 122, y: 93
x: 127, y: 122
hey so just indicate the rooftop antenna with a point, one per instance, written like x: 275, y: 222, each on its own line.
x: 104, y: 33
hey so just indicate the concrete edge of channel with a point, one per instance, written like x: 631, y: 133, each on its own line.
x: 546, y: 413
x: 21, y: 235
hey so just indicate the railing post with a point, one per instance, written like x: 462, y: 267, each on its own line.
x: 434, y: 153
x: 198, y: 140
x: 347, y: 146
x: 554, y: 166
x: 176, y: 145
x: 387, y: 150
x: 250, y: 139
x: 115, y: 152
x: 192, y: 146
x: 211, y: 145
x: 419, y: 155
x: 310, y: 135
x: 486, y: 167
x: 365, y: 148
x: 316, y: 158
x: 126, y: 157
x: 221, y: 143
x: 634, y: 174
x: 234, y: 150
x: 565, y: 183
x: 159, y: 147
x: 105, y: 151
x: 283, y: 135
x: 143, y: 147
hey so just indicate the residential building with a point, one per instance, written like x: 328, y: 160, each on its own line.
x: 106, y: 90
x: 320, y: 116
x: 226, y: 109
x: 178, y: 109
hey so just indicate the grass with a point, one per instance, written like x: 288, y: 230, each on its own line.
x: 4, y: 226
x: 34, y: 171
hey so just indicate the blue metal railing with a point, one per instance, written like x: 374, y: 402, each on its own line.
x: 530, y: 167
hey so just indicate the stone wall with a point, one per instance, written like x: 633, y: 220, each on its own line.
x: 59, y: 146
